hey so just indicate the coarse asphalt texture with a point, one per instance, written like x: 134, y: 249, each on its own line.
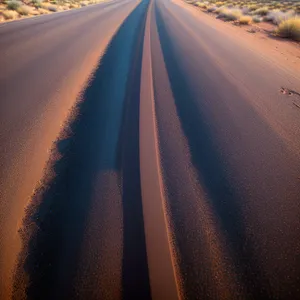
x: 147, y: 151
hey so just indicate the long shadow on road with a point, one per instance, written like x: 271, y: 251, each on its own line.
x: 211, y: 170
x: 103, y: 137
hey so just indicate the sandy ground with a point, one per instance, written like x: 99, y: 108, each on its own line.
x: 175, y: 171
x: 35, y: 12
x: 256, y: 36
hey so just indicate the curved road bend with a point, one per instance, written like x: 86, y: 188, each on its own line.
x: 175, y: 171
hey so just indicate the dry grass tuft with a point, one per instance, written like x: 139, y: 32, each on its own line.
x: 276, y: 16
x: 73, y: 5
x: 252, y: 7
x: 200, y: 5
x: 50, y: 7
x: 10, y: 14
x: 245, y: 20
x: 290, y: 29
x: 35, y: 12
x: 230, y: 14
x: 24, y: 10
x: 262, y: 11
x: 45, y: 5
x: 219, y: 4
x: 43, y: 11
x: 36, y: 7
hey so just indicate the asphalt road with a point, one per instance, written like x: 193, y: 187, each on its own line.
x: 147, y: 151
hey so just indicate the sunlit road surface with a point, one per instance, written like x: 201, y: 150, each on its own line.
x: 146, y: 152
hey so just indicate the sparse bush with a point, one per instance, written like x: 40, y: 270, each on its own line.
x: 211, y: 8
x: 36, y: 3
x: 290, y: 29
x: 220, y: 10
x: 230, y: 14
x: 262, y: 11
x: 245, y: 10
x: 223, y: 12
x: 9, y: 14
x: 245, y: 20
x: 201, y: 5
x: 49, y: 7
x: 13, y: 5
x: 256, y: 19
x: 277, y: 16
x: 271, y: 15
x: 252, y: 7
x: 219, y: 4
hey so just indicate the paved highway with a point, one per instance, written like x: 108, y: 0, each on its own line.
x: 148, y: 151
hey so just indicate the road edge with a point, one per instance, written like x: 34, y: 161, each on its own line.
x: 33, y: 17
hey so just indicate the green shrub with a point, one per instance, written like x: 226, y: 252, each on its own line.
x: 13, y: 5
x: 36, y: 3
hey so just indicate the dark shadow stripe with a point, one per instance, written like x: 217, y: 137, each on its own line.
x: 208, y: 162
x: 55, y: 221
x: 135, y: 267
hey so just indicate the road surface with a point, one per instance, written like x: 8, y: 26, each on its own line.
x: 148, y: 151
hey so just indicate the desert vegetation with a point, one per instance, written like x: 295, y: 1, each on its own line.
x: 16, y: 9
x: 285, y: 16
